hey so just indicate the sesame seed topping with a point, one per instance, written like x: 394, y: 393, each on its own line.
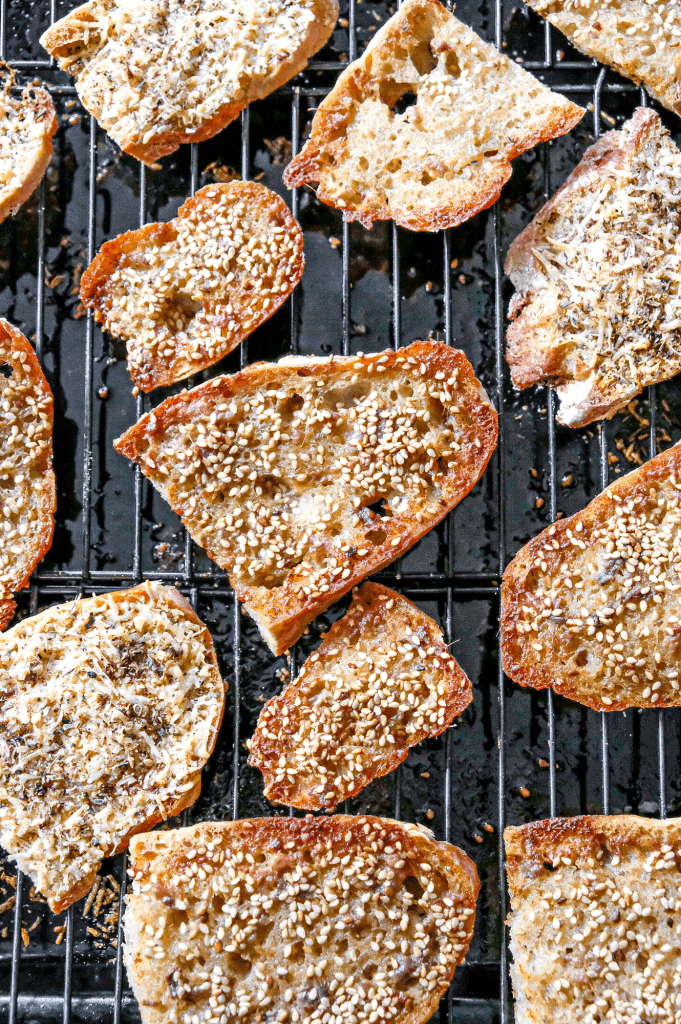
x: 319, y: 920
x: 638, y: 37
x: 26, y: 477
x: 597, y: 907
x: 184, y: 294
x: 381, y: 681
x: 599, y: 605
x: 286, y: 472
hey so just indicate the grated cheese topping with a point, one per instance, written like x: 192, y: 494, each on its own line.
x: 25, y: 129
x: 148, y: 68
x: 610, y: 262
x: 108, y: 711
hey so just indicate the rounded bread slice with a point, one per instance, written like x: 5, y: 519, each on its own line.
x: 110, y: 707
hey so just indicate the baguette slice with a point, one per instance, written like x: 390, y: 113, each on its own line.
x: 304, y: 476
x: 590, y: 607
x: 110, y: 707
x: 382, y: 681
x: 29, y: 496
x: 152, y: 287
x: 596, y: 922
x: 26, y: 129
x: 164, y: 72
x: 296, y: 920
x: 596, y: 313
x: 638, y: 38
x: 448, y: 155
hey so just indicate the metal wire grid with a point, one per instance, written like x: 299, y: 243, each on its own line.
x: 463, y: 584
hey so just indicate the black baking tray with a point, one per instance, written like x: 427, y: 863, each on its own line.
x: 514, y: 755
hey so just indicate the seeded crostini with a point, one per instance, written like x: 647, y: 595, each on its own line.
x: 29, y: 496
x: 590, y: 606
x: 638, y: 38
x: 596, y: 923
x: 304, y: 476
x: 110, y: 707
x: 184, y: 294
x: 344, y: 919
x: 381, y: 681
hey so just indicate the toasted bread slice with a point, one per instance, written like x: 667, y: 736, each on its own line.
x: 27, y: 125
x: 185, y: 293
x: 590, y: 607
x: 596, y: 922
x: 304, y: 476
x: 29, y: 497
x: 382, y: 681
x: 110, y: 708
x: 292, y: 919
x: 596, y: 310
x: 635, y: 37
x: 448, y: 155
x: 163, y: 72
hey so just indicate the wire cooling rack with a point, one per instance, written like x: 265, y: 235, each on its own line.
x: 514, y: 755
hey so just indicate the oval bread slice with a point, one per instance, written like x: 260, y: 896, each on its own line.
x: 109, y: 709
x: 304, y: 476
x: 29, y: 497
x: 423, y: 127
x: 184, y: 294
x: 596, y: 921
x: 590, y: 607
x: 287, y: 919
x: 381, y: 681
x: 27, y: 125
x: 164, y: 72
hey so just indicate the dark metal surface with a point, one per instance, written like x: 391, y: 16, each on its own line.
x: 361, y: 291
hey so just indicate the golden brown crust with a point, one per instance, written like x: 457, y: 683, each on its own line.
x: 283, y: 611
x: 644, y: 604
x: 245, y: 292
x: 358, y: 646
x: 594, y: 932
x: 431, y: 35
x: 143, y: 594
x: 304, y: 847
x: 39, y: 103
x: 69, y: 36
x: 533, y: 849
x: 38, y: 502
x: 539, y: 348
